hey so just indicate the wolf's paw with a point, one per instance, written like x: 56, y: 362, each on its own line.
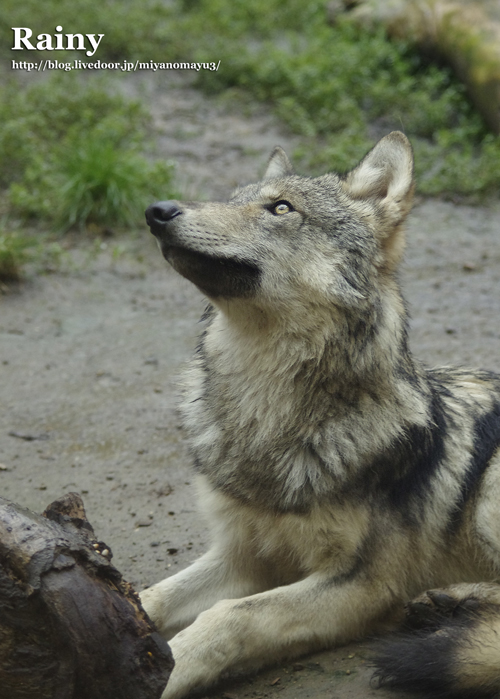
x: 149, y: 602
x: 153, y: 603
x: 430, y: 608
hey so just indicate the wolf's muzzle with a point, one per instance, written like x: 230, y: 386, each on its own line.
x: 159, y: 214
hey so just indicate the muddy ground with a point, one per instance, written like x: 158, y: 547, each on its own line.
x: 89, y: 359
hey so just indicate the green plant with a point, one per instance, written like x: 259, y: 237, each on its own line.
x: 18, y: 250
x: 332, y: 85
x: 14, y: 251
x: 38, y: 119
x: 106, y: 185
x: 73, y: 155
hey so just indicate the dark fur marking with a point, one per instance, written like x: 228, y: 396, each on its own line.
x: 214, y: 276
x: 251, y: 605
x: 486, y: 442
x: 403, y: 472
x: 206, y: 318
x: 362, y: 327
x: 423, y: 662
x: 257, y: 488
x: 418, y: 663
x: 358, y: 566
x: 260, y: 488
x: 419, y: 457
x: 208, y: 314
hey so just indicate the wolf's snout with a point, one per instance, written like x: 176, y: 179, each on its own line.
x: 157, y: 215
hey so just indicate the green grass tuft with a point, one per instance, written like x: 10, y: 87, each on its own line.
x: 74, y: 154
x: 18, y: 250
x: 14, y: 252
x: 105, y: 185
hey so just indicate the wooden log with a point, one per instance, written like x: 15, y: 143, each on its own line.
x: 463, y: 33
x: 70, y: 626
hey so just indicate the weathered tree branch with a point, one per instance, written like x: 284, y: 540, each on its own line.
x: 70, y: 626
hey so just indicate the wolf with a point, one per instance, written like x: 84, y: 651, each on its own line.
x: 340, y: 477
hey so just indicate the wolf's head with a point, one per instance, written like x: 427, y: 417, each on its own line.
x: 324, y: 241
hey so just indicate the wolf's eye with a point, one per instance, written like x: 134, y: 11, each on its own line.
x: 282, y: 207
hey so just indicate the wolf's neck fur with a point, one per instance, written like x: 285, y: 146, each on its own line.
x: 262, y: 390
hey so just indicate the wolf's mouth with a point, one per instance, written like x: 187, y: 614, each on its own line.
x: 215, y: 276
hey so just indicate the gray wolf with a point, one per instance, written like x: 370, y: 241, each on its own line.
x: 340, y: 477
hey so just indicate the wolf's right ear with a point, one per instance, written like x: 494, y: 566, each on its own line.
x: 278, y: 165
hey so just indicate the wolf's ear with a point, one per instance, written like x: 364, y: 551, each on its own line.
x: 386, y: 173
x: 383, y: 182
x: 278, y: 165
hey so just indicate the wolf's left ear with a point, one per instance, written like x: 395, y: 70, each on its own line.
x: 386, y: 173
x: 384, y: 180
x: 278, y: 165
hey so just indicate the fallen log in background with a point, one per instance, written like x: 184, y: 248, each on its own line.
x: 463, y: 33
x: 70, y: 626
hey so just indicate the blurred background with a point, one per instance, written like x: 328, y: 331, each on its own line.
x: 79, y: 150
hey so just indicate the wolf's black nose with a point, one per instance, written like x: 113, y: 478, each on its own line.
x: 162, y: 212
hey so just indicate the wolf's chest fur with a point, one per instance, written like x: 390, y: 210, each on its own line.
x: 270, y: 425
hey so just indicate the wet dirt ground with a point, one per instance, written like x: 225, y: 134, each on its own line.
x: 89, y: 360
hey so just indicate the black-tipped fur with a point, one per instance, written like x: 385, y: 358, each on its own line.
x: 426, y: 662
x: 444, y: 650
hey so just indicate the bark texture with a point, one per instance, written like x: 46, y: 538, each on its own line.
x: 70, y: 626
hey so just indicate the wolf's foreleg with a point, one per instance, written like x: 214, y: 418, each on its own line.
x: 284, y: 622
x: 175, y: 602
